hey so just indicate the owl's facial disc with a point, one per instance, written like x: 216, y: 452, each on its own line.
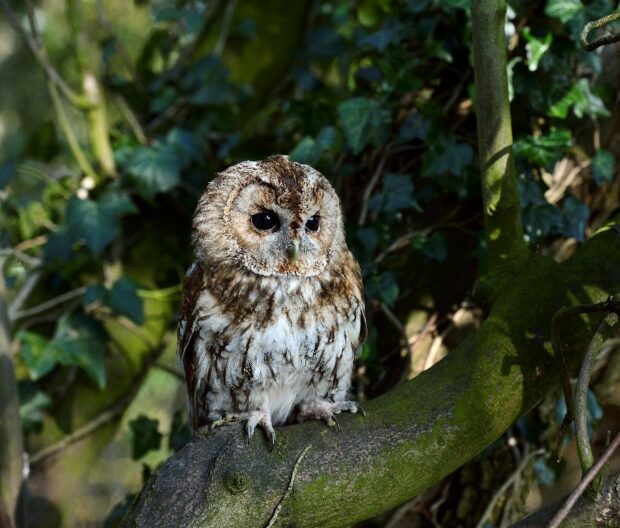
x: 283, y: 231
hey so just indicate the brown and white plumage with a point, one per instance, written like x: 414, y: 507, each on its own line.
x: 272, y: 318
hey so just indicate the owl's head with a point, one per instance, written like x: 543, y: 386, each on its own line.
x: 273, y: 217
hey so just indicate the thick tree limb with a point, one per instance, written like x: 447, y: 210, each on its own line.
x: 500, y: 195
x: 413, y: 436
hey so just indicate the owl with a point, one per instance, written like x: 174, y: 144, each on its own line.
x: 272, y: 317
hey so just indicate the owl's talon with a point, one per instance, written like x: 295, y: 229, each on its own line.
x: 361, y: 410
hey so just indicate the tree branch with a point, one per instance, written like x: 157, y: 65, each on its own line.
x: 601, y: 41
x: 500, y: 195
x: 413, y: 436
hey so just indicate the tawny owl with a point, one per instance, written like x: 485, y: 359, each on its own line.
x: 272, y: 316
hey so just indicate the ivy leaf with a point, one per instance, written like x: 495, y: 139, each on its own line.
x: 434, y: 247
x: 116, y: 202
x: 544, y: 150
x: 35, y: 353
x: 396, y: 194
x: 79, y: 341
x: 146, y: 436
x: 448, y: 158
x: 32, y: 403
x: 563, y: 9
x: 383, y: 287
x: 582, y: 100
x: 310, y: 150
x: 123, y: 298
x: 576, y: 214
x: 58, y: 246
x: 363, y: 120
x: 536, y: 48
x: 414, y: 127
x: 390, y: 33
x: 88, y: 221
x: 157, y: 168
x: 603, y: 167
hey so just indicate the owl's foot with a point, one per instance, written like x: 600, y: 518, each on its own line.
x: 263, y: 420
x: 326, y: 411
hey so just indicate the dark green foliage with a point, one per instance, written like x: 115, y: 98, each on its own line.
x: 146, y: 436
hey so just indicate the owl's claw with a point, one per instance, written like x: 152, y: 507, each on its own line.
x: 326, y: 411
x: 263, y: 420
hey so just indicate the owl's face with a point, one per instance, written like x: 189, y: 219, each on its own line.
x: 273, y: 217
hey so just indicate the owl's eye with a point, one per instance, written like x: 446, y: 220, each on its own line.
x: 313, y: 223
x: 265, y: 221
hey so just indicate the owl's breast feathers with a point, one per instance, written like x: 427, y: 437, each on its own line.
x: 241, y: 334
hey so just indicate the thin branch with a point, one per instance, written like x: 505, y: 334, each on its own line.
x: 130, y: 119
x: 391, y: 317
x: 584, y: 449
x: 507, y: 484
x: 50, y: 304
x: 289, y: 488
x: 40, y: 55
x: 374, y: 180
x: 23, y: 294
x: 67, y: 129
x: 225, y: 29
x: 82, y: 432
x: 601, y: 41
x: 585, y: 482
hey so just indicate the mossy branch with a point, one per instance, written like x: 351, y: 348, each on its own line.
x: 502, y: 210
x: 412, y: 437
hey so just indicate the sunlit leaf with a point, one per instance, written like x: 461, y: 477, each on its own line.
x: 563, y: 9
x: 38, y: 357
x: 582, y: 101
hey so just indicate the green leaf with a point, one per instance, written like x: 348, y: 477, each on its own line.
x: 78, y: 341
x: 449, y: 158
x: 363, y: 120
x: 536, y: 48
x: 603, y: 167
x: 396, y: 194
x: 157, y: 168
x: 116, y: 202
x: 38, y: 357
x: 563, y: 9
x: 546, y: 149
x: 88, y: 221
x: 123, y: 298
x: 32, y: 403
x: 146, y: 436
x: 576, y: 214
x: 310, y: 150
x: 58, y: 246
x: 582, y: 100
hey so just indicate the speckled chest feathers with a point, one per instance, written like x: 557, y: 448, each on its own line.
x: 272, y: 316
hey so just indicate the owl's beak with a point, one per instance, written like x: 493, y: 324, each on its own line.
x: 294, y: 252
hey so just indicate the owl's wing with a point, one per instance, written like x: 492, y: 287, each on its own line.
x: 187, y: 332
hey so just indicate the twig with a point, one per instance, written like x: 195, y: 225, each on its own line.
x: 40, y: 55
x: 130, y: 118
x: 72, y: 141
x: 276, y: 512
x: 48, y: 305
x: 585, y: 482
x: 225, y: 29
x: 504, y: 487
x: 601, y: 41
x: 24, y: 293
x: 584, y: 449
x: 370, y: 187
x: 391, y: 317
x: 88, y: 428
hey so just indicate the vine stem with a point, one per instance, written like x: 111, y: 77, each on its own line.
x: 601, y: 41
x: 585, y: 482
